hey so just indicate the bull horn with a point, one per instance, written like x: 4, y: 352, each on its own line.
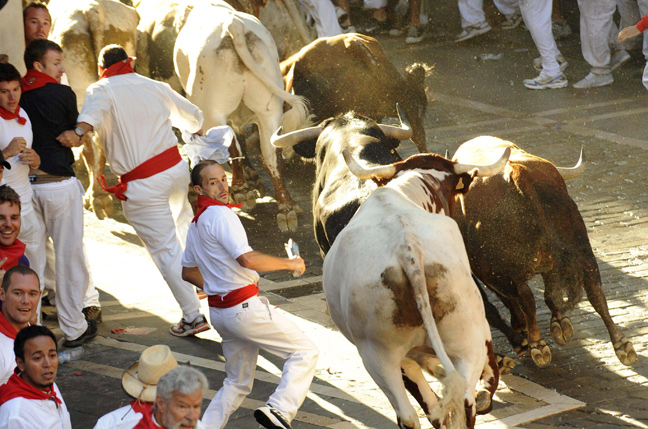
x: 404, y: 132
x: 295, y: 137
x: 366, y: 173
x: 485, y: 170
x: 575, y: 171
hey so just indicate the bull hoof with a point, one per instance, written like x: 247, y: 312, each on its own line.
x: 291, y: 221
x: 505, y: 364
x: 522, y: 348
x: 103, y: 207
x: 625, y: 352
x: 540, y: 353
x: 240, y: 199
x: 562, y: 331
x: 250, y: 200
x: 260, y: 188
x: 483, y: 402
x: 281, y: 222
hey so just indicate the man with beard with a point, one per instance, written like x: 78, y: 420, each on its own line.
x: 19, y: 294
x: 31, y: 398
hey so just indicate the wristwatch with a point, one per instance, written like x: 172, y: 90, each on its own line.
x: 78, y: 131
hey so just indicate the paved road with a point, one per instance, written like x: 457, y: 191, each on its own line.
x: 469, y: 98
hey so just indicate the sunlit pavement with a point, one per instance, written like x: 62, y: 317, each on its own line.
x: 470, y: 98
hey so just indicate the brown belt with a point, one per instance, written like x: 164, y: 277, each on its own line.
x: 46, y: 178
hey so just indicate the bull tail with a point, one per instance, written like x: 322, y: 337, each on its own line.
x: 295, y: 118
x: 454, y: 384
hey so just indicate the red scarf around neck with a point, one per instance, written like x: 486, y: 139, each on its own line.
x: 35, y: 79
x: 6, y: 114
x: 13, y: 253
x: 7, y: 328
x: 203, y: 203
x: 16, y: 387
x: 120, y: 67
x: 146, y: 408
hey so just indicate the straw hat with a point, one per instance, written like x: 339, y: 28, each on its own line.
x: 140, y: 380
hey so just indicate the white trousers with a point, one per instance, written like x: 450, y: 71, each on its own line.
x: 643, y: 10
x: 537, y: 17
x: 472, y: 11
x: 31, y: 233
x: 59, y: 207
x: 374, y: 4
x: 158, y: 210
x: 595, y: 24
x: 323, y: 13
x: 245, y: 328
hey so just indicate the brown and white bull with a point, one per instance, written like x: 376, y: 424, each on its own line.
x: 228, y: 65
x: 347, y: 72
x: 523, y: 222
x: 397, y: 280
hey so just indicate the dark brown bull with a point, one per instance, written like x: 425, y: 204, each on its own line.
x: 351, y: 72
x: 520, y: 223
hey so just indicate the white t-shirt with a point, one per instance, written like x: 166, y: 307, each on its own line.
x: 133, y: 116
x: 125, y: 418
x: 7, y: 358
x: 21, y: 413
x: 213, y: 244
x: 18, y: 176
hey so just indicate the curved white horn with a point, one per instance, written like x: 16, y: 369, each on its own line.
x: 366, y: 173
x: 485, y: 170
x: 575, y: 171
x: 404, y: 132
x: 291, y: 139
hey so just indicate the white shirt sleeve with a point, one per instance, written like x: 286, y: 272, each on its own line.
x: 184, y: 115
x: 96, y: 106
x: 188, y: 257
x: 229, y: 232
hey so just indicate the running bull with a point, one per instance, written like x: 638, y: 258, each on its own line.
x: 520, y: 223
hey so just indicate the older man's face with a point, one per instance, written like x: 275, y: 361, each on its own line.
x: 182, y: 411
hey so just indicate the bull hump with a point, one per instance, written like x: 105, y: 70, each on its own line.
x: 406, y: 312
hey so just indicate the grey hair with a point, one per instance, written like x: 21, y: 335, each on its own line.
x: 182, y: 379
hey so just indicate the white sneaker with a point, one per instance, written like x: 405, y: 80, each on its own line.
x: 593, y: 80
x: 618, y: 59
x: 545, y: 82
x: 271, y: 418
x: 562, y: 62
x: 414, y: 35
x: 473, y: 31
x: 512, y: 21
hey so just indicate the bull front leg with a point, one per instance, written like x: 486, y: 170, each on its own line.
x: 540, y: 352
x: 94, y: 159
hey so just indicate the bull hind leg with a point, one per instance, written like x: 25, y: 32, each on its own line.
x: 240, y: 190
x: 539, y: 350
x: 520, y: 341
x: 384, y: 367
x: 94, y: 159
x: 622, y: 346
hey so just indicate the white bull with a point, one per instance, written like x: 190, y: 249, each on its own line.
x: 397, y: 280
x: 83, y: 28
x: 228, y: 65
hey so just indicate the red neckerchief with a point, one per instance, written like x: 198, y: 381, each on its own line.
x: 7, y: 328
x: 146, y: 408
x: 204, y: 202
x: 16, y: 387
x: 8, y: 115
x: 13, y: 253
x: 120, y: 67
x: 35, y: 79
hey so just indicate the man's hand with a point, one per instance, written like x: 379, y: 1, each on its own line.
x: 17, y: 145
x: 200, y: 132
x: 628, y: 33
x: 30, y: 157
x: 297, y: 265
x: 69, y: 138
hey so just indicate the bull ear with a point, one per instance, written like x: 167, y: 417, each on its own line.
x: 305, y: 149
x: 464, y: 181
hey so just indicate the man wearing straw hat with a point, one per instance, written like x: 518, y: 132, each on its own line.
x: 166, y: 395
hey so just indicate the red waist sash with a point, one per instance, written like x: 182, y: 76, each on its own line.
x: 234, y: 297
x: 151, y: 167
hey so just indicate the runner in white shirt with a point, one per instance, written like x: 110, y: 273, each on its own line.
x: 31, y: 399
x: 133, y: 116
x: 219, y: 259
x: 16, y: 145
x: 20, y: 294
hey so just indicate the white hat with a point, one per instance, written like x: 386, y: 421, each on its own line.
x: 140, y: 380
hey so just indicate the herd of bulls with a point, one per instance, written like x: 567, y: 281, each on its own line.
x: 403, y: 240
